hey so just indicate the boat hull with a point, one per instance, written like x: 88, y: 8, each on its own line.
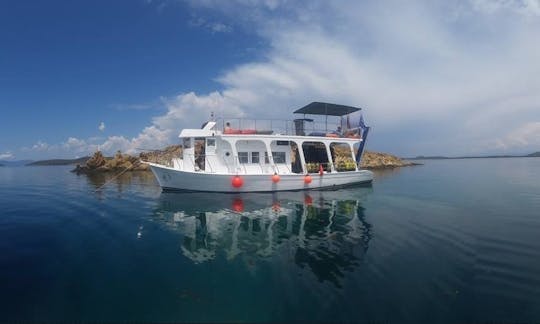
x: 173, y: 179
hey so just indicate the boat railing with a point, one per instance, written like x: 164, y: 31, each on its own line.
x: 204, y: 161
x: 314, y: 167
x: 230, y: 168
x: 299, y: 127
x: 162, y: 161
x: 288, y: 169
x: 209, y: 164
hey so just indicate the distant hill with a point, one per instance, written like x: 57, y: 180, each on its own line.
x: 421, y: 157
x: 60, y: 162
x: 15, y: 163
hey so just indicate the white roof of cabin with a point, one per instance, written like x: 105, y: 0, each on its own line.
x: 198, y: 133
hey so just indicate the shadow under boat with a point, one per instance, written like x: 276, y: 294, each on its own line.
x: 326, y: 232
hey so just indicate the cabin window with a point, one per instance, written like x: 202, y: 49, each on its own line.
x: 255, y: 157
x: 200, y: 152
x: 243, y: 157
x: 342, y: 157
x: 296, y: 164
x: 315, y: 156
x: 279, y: 157
x: 211, y: 142
x: 187, y: 143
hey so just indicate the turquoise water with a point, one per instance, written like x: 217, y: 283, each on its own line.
x: 449, y: 241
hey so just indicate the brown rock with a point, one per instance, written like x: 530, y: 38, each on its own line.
x: 96, y: 161
x: 376, y: 160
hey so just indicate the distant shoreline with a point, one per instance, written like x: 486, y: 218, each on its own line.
x: 536, y: 154
x: 59, y: 162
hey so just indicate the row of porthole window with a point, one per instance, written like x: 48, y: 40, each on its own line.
x: 254, y: 157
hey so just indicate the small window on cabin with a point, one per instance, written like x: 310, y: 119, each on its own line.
x: 243, y: 157
x: 279, y: 157
x: 211, y: 142
x: 255, y: 157
x: 266, y: 158
x: 187, y: 143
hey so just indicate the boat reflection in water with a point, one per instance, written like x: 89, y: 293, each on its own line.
x: 324, y: 232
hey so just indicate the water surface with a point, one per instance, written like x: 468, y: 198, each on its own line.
x: 449, y: 241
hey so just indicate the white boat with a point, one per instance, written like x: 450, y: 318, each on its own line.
x: 269, y: 155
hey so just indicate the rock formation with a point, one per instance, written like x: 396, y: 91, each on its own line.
x: 376, y: 160
x: 119, y: 163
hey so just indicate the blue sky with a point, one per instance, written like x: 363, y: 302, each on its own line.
x: 441, y: 78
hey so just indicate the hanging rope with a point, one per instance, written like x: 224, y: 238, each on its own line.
x: 116, y: 176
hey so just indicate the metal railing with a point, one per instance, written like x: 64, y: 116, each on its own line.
x: 278, y: 126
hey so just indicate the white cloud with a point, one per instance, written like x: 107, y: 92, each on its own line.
x: 527, y: 135
x: 434, y: 77
x: 220, y: 28
x: 101, y: 127
x: 76, y: 145
x: 115, y: 143
x: 40, y: 146
x: 214, y: 27
x: 6, y: 156
x: 451, y: 74
x: 526, y: 7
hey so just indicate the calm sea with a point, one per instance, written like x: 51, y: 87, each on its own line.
x: 449, y: 241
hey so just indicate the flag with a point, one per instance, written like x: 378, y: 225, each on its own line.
x: 365, y: 130
x: 362, y: 126
x: 361, y: 123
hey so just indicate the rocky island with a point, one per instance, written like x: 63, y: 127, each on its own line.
x: 119, y: 163
x: 376, y: 160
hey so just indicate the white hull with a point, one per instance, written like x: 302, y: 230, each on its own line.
x: 173, y: 179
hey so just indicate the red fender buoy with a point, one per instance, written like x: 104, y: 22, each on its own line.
x: 237, y: 182
x: 275, y: 178
x: 307, y: 179
x: 238, y: 205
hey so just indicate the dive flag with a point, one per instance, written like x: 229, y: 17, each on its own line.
x: 365, y: 131
x: 361, y: 123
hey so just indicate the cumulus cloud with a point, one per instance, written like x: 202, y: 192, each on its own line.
x: 40, y: 146
x: 6, y: 156
x: 76, y: 145
x: 526, y: 7
x: 101, y: 127
x: 433, y: 77
x: 440, y: 74
x: 527, y: 135
x: 214, y: 27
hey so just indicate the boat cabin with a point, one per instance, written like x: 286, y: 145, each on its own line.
x: 304, y: 145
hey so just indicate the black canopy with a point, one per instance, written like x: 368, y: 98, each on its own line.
x: 329, y: 109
